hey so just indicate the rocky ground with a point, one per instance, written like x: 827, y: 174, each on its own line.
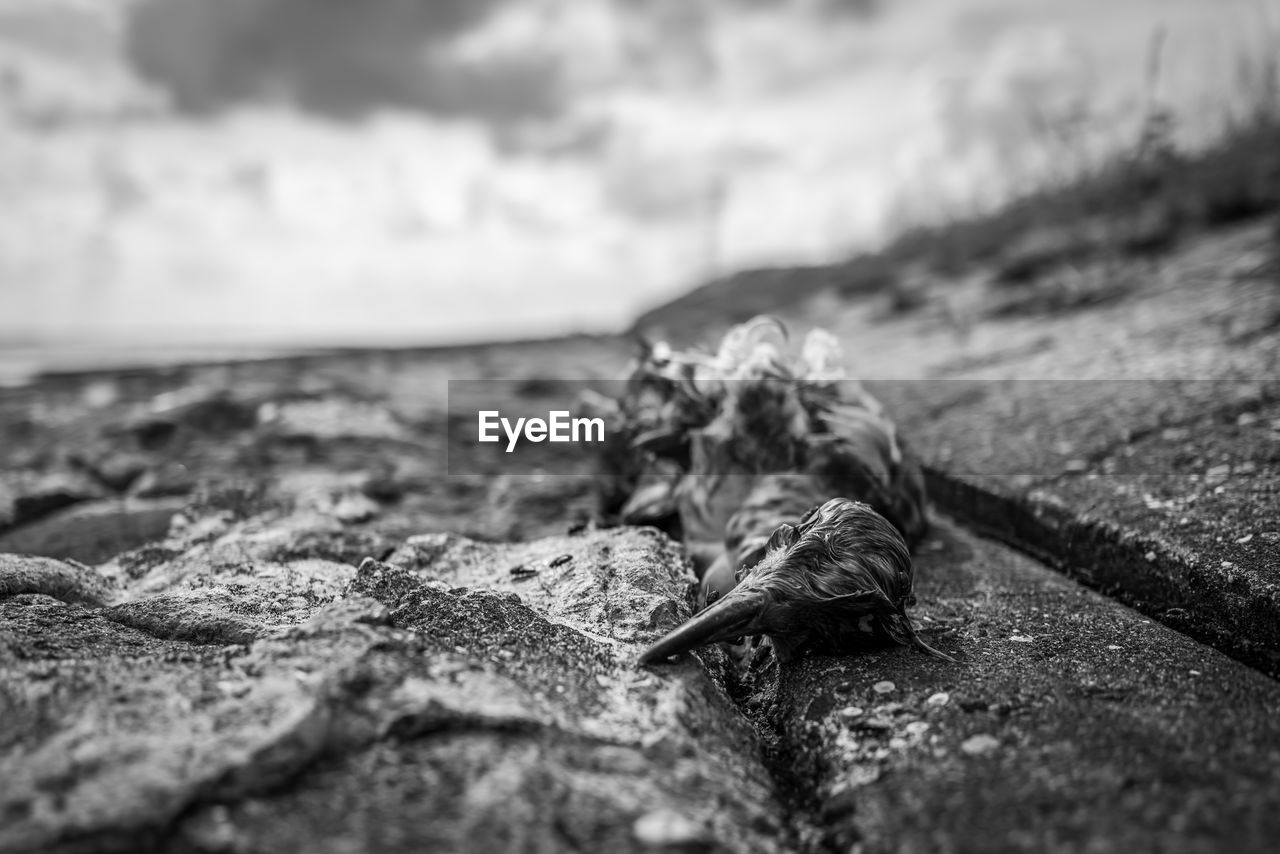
x: 261, y: 607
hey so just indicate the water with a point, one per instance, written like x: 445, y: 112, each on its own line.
x: 19, y: 365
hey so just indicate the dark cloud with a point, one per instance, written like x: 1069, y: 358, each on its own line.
x: 668, y: 41
x: 337, y: 57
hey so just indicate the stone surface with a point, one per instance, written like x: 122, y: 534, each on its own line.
x: 94, y: 531
x: 1141, y: 419
x: 236, y: 697
x: 233, y: 675
x: 69, y: 582
x: 1142, y: 426
x: 1071, y: 724
x: 1168, y: 484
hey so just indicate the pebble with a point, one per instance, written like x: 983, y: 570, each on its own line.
x: 849, y: 712
x: 862, y: 775
x: 1020, y: 639
x: 917, y: 728
x: 877, y: 724
x: 667, y: 828
x: 355, y: 508
x: 1244, y: 419
x: 1076, y: 466
x: 1217, y: 474
x: 978, y: 745
x: 234, y: 689
x: 1150, y: 556
x: 885, y: 687
x: 1246, y: 538
x: 937, y: 700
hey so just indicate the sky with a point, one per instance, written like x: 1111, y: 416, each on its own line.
x: 428, y: 171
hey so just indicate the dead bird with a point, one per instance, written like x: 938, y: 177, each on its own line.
x: 844, y: 572
x: 737, y: 445
x: 702, y: 427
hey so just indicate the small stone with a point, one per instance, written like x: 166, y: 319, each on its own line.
x: 1020, y: 639
x: 1244, y: 419
x: 1075, y: 466
x: 1114, y: 646
x: 1150, y: 556
x: 979, y: 745
x: 213, y: 829
x: 667, y: 828
x: 1194, y: 672
x: 938, y: 700
x: 885, y: 687
x: 1217, y: 474
x: 917, y: 728
x: 234, y: 689
x: 1247, y: 468
x: 876, y: 724
x: 1246, y: 538
x: 862, y: 775
x: 1226, y: 564
x: 354, y: 508
x: 851, y: 712
x: 897, y: 743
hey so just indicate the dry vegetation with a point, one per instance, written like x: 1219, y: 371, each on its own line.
x: 1071, y: 243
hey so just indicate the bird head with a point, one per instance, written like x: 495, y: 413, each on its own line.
x: 814, y: 582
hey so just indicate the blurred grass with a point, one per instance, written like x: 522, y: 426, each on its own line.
x: 1067, y: 244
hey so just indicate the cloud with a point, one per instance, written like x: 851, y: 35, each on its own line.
x: 335, y: 57
x: 503, y: 62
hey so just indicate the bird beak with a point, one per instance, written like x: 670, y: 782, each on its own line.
x: 728, y: 618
